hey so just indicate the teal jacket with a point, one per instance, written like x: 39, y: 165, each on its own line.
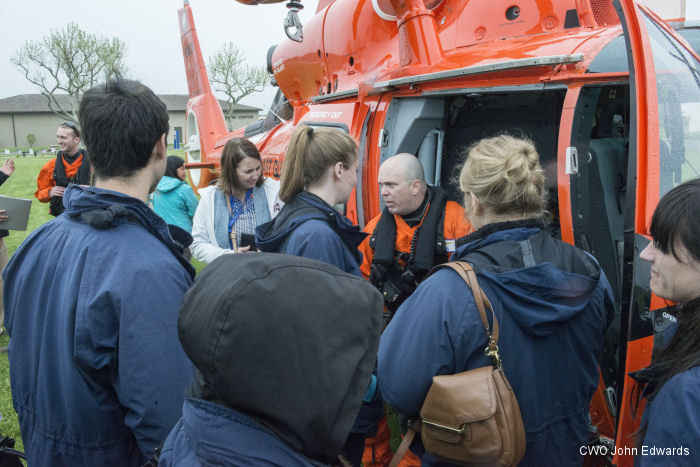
x: 175, y: 202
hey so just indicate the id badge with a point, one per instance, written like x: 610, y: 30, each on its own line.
x: 450, y: 245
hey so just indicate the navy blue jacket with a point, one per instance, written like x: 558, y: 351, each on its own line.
x: 673, y: 424
x: 92, y: 299
x: 309, y: 227
x: 553, y: 304
x: 211, y: 434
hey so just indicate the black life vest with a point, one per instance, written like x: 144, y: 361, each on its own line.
x: 82, y: 177
x: 397, y: 274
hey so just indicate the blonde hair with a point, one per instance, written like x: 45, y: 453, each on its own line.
x: 310, y: 153
x: 505, y: 175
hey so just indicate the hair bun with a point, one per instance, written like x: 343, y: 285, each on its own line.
x: 505, y: 175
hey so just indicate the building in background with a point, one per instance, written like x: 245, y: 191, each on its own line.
x: 29, y: 114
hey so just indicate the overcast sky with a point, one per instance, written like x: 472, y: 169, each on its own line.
x: 150, y: 29
x: 152, y: 34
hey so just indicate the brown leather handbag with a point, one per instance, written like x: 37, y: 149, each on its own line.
x: 473, y: 417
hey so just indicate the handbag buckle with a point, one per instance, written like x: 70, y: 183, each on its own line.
x: 491, y: 351
x: 457, y: 431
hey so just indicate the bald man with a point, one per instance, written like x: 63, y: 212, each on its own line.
x: 416, y: 230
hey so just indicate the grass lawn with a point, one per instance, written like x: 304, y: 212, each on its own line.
x: 22, y: 184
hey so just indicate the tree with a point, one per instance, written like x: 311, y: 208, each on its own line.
x: 31, y: 139
x: 229, y: 75
x: 69, y: 61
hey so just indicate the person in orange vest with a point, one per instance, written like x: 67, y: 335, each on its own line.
x: 417, y: 230
x: 69, y: 166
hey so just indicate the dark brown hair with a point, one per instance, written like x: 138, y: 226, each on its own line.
x: 310, y: 153
x: 234, y: 152
x: 674, y: 223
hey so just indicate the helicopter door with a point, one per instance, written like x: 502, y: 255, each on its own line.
x: 664, y: 119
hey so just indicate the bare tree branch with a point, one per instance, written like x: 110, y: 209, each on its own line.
x: 230, y: 76
x: 69, y: 61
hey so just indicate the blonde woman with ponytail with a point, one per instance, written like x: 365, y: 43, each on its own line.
x: 319, y: 171
x: 552, y: 301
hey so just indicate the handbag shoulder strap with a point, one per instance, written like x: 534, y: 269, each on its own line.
x: 413, y: 428
x: 466, y: 272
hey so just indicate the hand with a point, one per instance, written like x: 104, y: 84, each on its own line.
x: 3, y: 216
x: 243, y: 249
x: 8, y: 167
x: 57, y: 191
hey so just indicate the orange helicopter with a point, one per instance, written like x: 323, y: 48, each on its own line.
x: 608, y: 91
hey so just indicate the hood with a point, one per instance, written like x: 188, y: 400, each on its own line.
x: 304, y: 335
x: 167, y: 184
x: 104, y: 209
x: 305, y: 206
x: 555, y: 288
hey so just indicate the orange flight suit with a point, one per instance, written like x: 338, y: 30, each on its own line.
x: 455, y: 226
x: 45, y: 181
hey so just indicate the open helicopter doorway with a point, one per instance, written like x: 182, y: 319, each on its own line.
x: 439, y: 126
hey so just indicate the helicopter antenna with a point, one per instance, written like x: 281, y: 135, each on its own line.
x: 292, y: 21
x: 286, y: 122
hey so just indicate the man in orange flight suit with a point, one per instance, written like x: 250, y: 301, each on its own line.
x: 74, y: 168
x: 417, y: 230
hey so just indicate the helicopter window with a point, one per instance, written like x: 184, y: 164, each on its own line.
x: 692, y: 35
x: 678, y: 90
x: 281, y: 110
x: 612, y: 59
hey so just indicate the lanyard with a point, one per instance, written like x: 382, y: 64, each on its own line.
x: 233, y: 216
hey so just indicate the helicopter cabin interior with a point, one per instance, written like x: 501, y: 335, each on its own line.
x: 439, y: 127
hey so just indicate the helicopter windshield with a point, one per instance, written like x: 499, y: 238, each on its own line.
x: 678, y: 88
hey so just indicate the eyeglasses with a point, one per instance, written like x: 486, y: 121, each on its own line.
x: 73, y: 127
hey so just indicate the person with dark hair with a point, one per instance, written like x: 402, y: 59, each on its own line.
x: 174, y: 199
x: 670, y: 384
x: 283, y: 347
x: 319, y: 172
x: 552, y: 301
x: 70, y: 166
x: 241, y: 200
x: 92, y: 299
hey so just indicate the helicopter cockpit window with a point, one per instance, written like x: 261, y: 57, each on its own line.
x: 692, y: 35
x: 678, y: 89
x: 612, y: 59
